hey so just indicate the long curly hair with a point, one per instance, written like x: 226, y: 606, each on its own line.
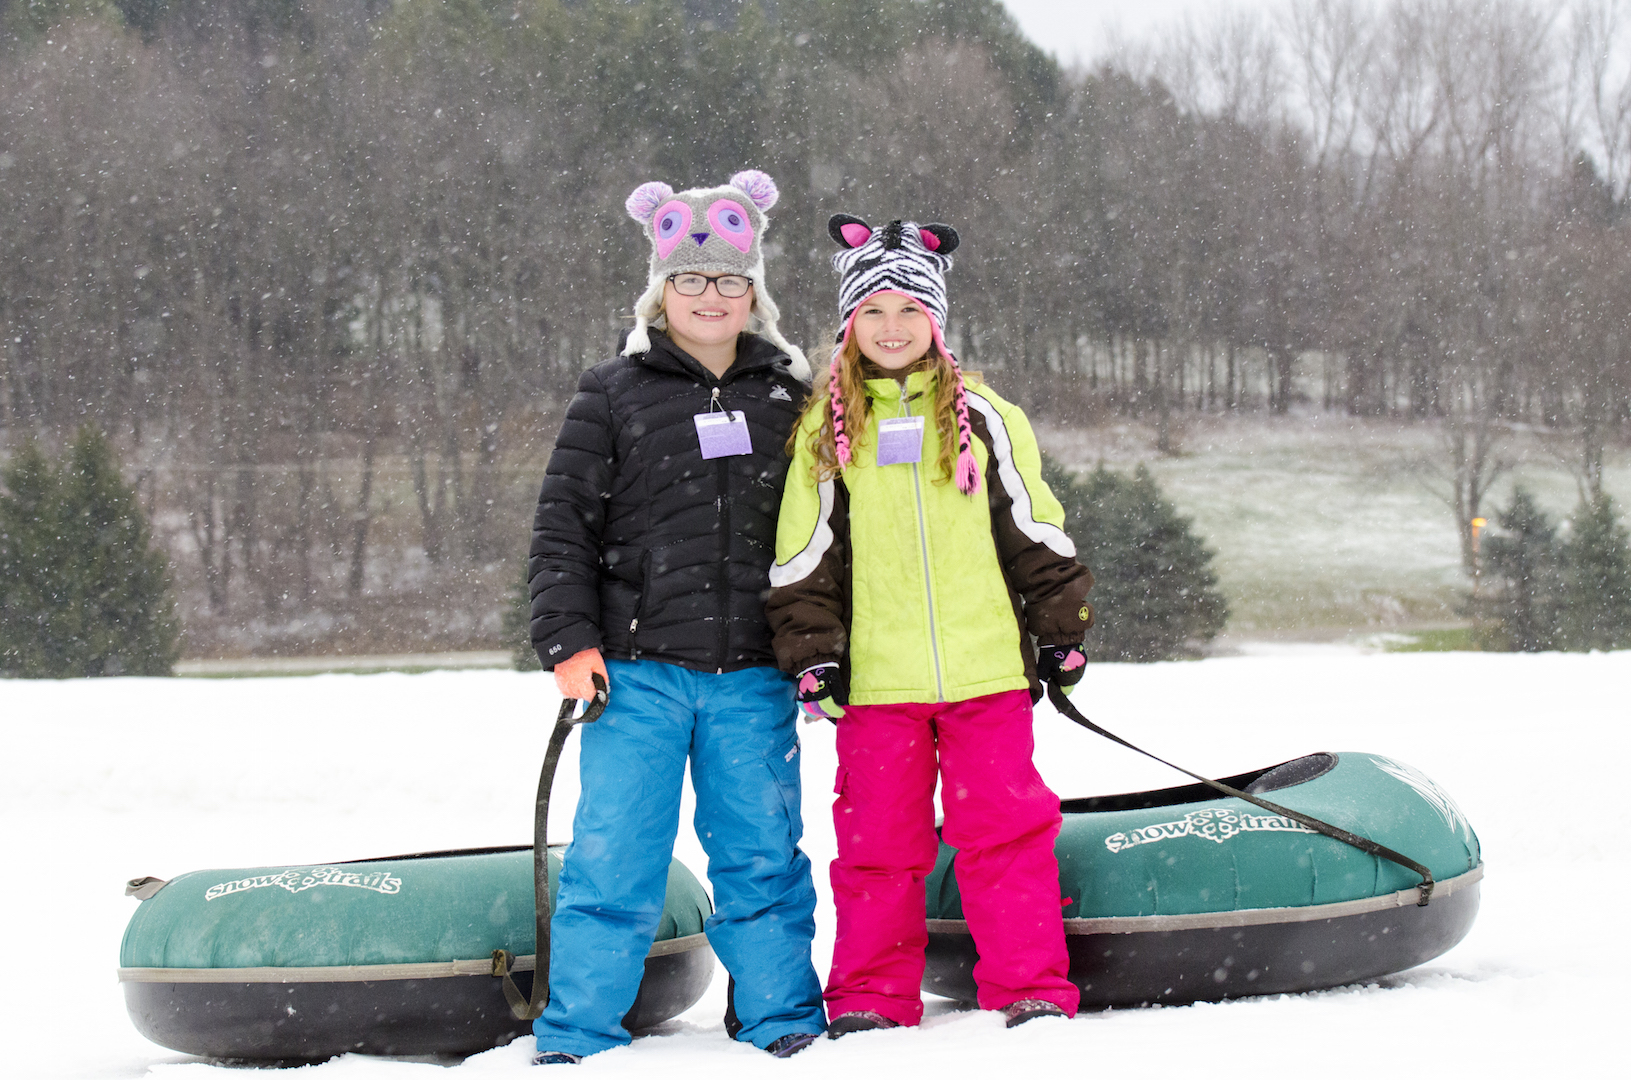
x: 846, y: 413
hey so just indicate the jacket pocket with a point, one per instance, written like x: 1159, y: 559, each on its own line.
x: 642, y: 601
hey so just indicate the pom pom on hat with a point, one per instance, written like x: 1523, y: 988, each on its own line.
x: 643, y: 201
x: 757, y: 186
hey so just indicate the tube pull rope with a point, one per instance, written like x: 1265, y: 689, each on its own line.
x: 520, y: 1007
x: 1325, y: 828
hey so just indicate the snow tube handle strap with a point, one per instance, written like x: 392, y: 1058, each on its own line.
x: 520, y: 1007
x: 143, y: 888
x: 591, y: 708
x: 1324, y: 828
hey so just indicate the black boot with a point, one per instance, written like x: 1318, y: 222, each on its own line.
x: 788, y: 1045
x: 1029, y: 1009
x: 851, y: 1022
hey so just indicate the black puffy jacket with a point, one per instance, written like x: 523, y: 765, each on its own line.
x: 642, y: 548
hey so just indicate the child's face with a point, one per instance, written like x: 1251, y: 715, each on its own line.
x: 892, y: 330
x: 705, y: 321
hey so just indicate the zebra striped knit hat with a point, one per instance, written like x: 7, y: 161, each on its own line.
x: 909, y: 259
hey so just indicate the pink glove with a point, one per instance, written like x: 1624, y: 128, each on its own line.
x: 572, y: 675
x: 819, y: 689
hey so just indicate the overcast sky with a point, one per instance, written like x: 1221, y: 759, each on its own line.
x: 1076, y: 29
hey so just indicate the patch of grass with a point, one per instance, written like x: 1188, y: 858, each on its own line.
x: 1325, y: 524
x: 1454, y: 639
x: 287, y: 667
x: 259, y: 673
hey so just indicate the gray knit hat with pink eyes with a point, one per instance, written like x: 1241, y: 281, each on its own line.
x: 711, y: 231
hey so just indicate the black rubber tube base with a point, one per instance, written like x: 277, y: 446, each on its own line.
x: 1177, y: 967
x: 299, y: 1023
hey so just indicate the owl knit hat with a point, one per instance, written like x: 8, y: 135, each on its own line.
x: 708, y: 230
x: 910, y: 260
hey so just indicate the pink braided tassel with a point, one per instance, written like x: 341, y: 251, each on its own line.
x: 968, y: 472
x: 968, y: 468
x: 835, y: 401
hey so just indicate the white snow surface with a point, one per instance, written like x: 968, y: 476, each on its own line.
x: 111, y: 779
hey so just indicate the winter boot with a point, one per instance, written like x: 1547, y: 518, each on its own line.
x: 851, y: 1022
x: 1029, y: 1009
x: 788, y: 1045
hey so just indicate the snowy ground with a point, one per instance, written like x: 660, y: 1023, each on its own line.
x: 112, y: 779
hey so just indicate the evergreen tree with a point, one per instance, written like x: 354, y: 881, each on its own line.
x: 1154, y: 594
x: 1521, y: 603
x: 30, y: 20
x: 518, y: 625
x: 1597, y: 573
x: 83, y: 591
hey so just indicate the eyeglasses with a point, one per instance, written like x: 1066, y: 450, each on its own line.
x: 730, y: 286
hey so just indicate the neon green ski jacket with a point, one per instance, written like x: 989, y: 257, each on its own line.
x: 927, y: 593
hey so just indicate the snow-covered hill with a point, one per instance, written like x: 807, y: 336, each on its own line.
x: 112, y: 779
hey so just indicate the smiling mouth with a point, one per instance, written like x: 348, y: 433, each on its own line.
x: 893, y: 345
x: 709, y: 313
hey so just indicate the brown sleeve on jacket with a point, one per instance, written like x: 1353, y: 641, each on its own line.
x: 1051, y: 589
x: 809, y: 619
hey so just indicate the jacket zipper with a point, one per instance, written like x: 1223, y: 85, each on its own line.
x: 923, y: 543
x: 722, y: 505
x: 640, y: 606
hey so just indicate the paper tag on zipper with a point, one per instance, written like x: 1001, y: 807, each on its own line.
x: 900, y: 440
x: 723, y: 434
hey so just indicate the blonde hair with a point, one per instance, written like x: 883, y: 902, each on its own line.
x: 850, y: 371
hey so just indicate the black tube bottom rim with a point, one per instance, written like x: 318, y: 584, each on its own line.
x: 1177, y: 967
x: 297, y: 1023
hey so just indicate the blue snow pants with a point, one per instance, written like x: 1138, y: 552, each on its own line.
x: 738, y: 730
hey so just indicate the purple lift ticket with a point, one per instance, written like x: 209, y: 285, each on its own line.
x: 900, y: 440
x: 723, y: 434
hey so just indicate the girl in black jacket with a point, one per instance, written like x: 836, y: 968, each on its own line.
x: 651, y: 551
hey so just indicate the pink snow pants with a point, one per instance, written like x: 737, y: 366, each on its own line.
x: 1001, y: 818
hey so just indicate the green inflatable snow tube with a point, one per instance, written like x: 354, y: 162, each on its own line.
x: 388, y: 956
x: 1184, y: 895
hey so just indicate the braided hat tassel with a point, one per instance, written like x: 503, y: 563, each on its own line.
x: 968, y: 468
x: 835, y: 402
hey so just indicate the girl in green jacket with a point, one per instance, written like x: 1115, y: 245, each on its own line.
x: 918, y: 554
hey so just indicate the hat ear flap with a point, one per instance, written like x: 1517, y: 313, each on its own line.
x: 940, y: 239
x: 848, y: 231
x: 643, y: 201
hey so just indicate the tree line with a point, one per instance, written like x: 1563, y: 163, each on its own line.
x: 329, y: 270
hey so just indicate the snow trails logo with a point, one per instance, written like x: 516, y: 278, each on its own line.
x: 1214, y: 825
x: 309, y: 878
x: 1431, y: 793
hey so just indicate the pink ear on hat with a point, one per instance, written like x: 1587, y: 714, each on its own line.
x: 643, y: 201
x: 941, y: 239
x: 757, y: 186
x: 848, y: 231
